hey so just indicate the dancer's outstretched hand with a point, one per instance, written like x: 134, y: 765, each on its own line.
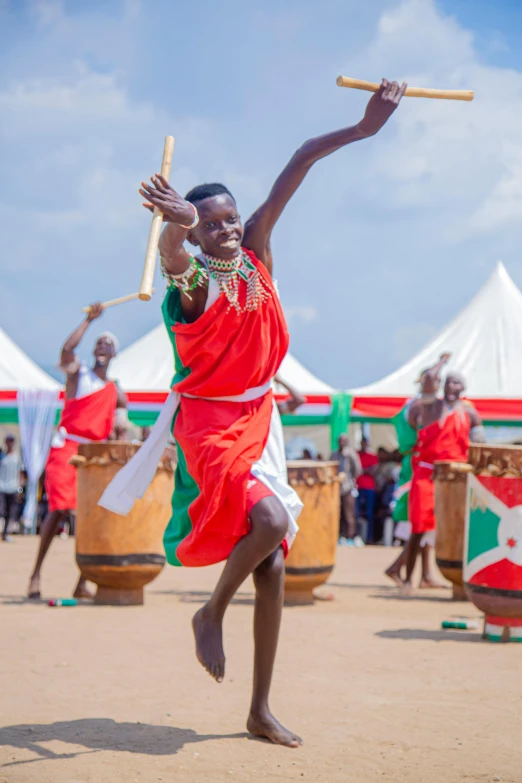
x: 174, y: 207
x: 381, y: 106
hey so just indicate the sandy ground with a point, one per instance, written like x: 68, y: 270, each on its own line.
x: 376, y: 689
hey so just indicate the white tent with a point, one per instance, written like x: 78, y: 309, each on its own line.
x: 485, y: 342
x: 18, y: 371
x: 147, y: 365
x: 28, y: 395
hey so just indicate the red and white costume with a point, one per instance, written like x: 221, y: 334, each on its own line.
x: 87, y: 417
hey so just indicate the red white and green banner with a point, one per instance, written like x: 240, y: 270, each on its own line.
x: 144, y: 407
x: 382, y: 409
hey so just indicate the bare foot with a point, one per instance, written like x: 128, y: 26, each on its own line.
x: 34, y: 588
x: 266, y: 726
x: 209, y: 643
x: 394, y: 576
x: 406, y: 588
x: 82, y: 591
x: 430, y: 584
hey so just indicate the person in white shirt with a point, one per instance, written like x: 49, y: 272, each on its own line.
x: 10, y: 467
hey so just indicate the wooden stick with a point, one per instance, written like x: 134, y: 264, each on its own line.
x: 155, y: 229
x: 112, y: 302
x: 411, y: 92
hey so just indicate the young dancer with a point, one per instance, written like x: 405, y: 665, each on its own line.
x: 231, y: 500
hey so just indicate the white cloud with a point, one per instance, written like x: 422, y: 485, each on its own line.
x: 383, y: 243
x: 90, y: 95
x: 462, y: 159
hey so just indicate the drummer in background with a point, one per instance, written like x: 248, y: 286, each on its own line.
x: 291, y: 404
x: 429, y: 384
x: 89, y: 414
x: 444, y: 430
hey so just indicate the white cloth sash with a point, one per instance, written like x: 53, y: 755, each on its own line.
x: 132, y: 481
x: 271, y: 471
x: 61, y: 435
x: 248, y: 396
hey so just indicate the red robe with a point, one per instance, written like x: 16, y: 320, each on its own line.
x: 90, y: 417
x: 446, y: 439
x: 222, y: 354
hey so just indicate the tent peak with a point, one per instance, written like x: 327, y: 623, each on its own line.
x: 18, y: 371
x: 504, y: 281
x: 501, y: 271
x: 484, y: 340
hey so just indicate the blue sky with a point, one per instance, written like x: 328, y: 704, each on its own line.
x: 384, y: 242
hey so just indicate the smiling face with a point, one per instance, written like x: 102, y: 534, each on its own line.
x: 219, y: 232
x: 453, y: 388
x: 103, y: 351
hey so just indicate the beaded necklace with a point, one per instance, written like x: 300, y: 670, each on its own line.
x: 227, y: 274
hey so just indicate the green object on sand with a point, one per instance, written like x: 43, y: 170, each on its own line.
x: 461, y: 625
x: 63, y: 602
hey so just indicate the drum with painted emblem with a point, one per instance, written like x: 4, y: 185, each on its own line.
x: 493, y: 539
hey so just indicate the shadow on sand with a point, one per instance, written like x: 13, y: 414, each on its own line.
x: 407, y: 634
x: 98, y: 734
x: 357, y: 586
x: 426, y: 596
x: 20, y: 600
x: 202, y: 596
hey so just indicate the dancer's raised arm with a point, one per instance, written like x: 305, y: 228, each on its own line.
x: 259, y: 226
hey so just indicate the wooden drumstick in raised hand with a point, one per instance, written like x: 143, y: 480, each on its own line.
x: 112, y: 302
x: 411, y: 92
x: 155, y: 229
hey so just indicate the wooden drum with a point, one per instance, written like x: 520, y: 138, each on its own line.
x: 492, y: 460
x: 119, y: 554
x: 312, y: 556
x: 450, y: 511
x: 493, y: 543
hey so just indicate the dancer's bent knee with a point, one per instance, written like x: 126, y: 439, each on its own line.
x: 269, y: 520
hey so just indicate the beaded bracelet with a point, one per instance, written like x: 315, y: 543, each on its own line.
x: 183, y: 281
